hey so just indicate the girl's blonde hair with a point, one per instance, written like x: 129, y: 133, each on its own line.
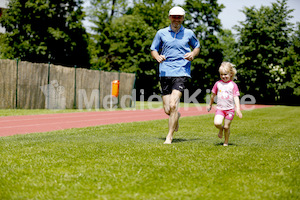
x: 228, y: 67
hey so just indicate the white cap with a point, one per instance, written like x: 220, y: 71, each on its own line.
x: 176, y: 11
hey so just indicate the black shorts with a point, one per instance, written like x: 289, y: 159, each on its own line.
x: 173, y: 83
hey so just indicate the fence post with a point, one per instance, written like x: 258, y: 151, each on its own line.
x: 119, y: 78
x: 74, y: 105
x: 133, y: 87
x: 48, y: 85
x: 17, y: 79
x: 99, y: 88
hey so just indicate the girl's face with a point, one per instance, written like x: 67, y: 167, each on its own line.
x: 225, y: 76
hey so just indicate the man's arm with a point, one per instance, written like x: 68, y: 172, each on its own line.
x: 191, y: 55
x: 157, y: 57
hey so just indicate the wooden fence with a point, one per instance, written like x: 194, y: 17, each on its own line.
x: 28, y: 85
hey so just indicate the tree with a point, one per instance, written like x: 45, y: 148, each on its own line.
x: 154, y: 13
x: 45, y: 30
x: 289, y: 91
x: 101, y: 15
x: 122, y: 42
x: 129, y: 41
x: 263, y: 48
x: 228, y: 45
x: 202, y: 18
x: 296, y: 59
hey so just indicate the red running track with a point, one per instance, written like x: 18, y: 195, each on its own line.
x: 12, y: 125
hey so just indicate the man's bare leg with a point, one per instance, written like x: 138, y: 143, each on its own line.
x: 177, y: 126
x: 171, y: 103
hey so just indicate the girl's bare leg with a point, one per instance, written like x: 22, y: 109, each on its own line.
x: 220, y: 135
x: 218, y: 121
x: 227, y: 123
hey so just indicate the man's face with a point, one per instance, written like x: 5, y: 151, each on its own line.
x: 176, y: 20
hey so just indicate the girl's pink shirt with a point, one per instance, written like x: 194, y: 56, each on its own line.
x: 225, y: 91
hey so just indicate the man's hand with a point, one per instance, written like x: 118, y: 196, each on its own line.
x: 157, y: 57
x: 189, y: 56
x: 160, y: 58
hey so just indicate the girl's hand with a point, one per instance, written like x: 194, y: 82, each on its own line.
x: 208, y: 108
x: 239, y: 113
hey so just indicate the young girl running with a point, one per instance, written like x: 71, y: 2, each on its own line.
x: 227, y: 93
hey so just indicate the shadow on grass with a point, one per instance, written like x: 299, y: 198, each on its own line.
x: 177, y: 140
x: 221, y: 144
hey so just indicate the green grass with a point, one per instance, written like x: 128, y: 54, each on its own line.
x: 130, y: 161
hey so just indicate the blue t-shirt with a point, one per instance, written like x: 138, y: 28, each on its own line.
x: 174, y: 46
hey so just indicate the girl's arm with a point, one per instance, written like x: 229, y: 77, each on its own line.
x: 212, y: 97
x: 237, y: 104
